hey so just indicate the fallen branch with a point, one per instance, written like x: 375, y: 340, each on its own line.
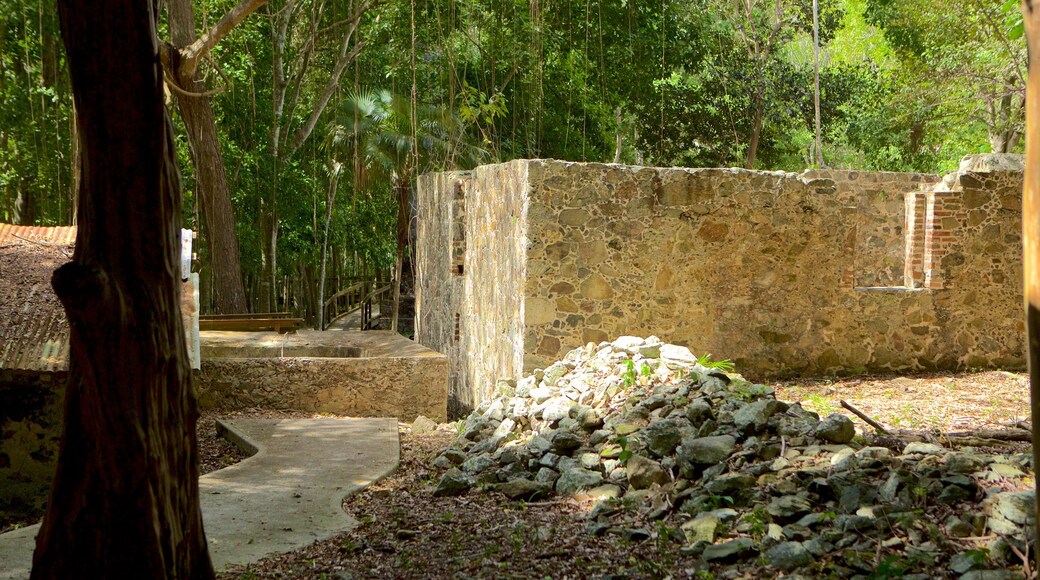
x: 1004, y: 435
x: 865, y: 418
x: 44, y: 244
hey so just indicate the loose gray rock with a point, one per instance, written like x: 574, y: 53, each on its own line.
x: 753, y: 417
x: 556, y: 408
x: 920, y: 448
x: 554, y: 373
x: 991, y: 575
x: 836, y: 428
x: 1009, y: 512
x: 423, y: 425
x: 965, y: 561
x: 473, y: 428
x: 678, y: 354
x: 788, y: 506
x: 524, y: 489
x: 564, y: 443
x: 547, y: 475
x: 538, y: 446
x: 644, y: 472
x: 698, y: 451
x: 477, y: 463
x: 661, y: 437
x: 698, y: 411
x: 728, y: 550
x: 789, y: 555
x: 575, y: 480
x: 964, y: 462
x: 453, y: 482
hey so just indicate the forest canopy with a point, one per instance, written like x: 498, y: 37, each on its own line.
x: 326, y: 110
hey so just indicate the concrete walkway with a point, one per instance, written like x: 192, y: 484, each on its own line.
x: 286, y: 496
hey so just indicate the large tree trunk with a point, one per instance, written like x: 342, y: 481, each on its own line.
x: 215, y: 196
x: 125, y: 501
x: 1031, y: 233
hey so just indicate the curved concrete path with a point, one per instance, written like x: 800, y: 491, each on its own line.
x: 286, y: 496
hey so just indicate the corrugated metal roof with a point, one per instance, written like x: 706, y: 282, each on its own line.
x: 62, y: 235
x: 39, y: 338
x: 34, y: 334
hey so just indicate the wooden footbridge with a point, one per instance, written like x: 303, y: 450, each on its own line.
x: 359, y: 296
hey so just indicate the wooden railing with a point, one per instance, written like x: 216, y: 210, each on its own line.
x: 357, y: 296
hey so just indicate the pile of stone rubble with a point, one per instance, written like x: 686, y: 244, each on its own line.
x: 658, y: 441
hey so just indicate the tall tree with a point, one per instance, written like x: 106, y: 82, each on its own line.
x: 297, y: 30
x: 125, y: 500
x: 200, y: 124
x: 1031, y: 234
x: 960, y: 67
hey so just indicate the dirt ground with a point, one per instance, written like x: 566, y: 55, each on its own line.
x: 938, y: 401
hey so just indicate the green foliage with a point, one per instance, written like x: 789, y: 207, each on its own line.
x: 724, y: 365
x: 626, y: 451
x: 758, y: 521
x: 645, y: 370
x: 906, y: 85
x: 628, y: 377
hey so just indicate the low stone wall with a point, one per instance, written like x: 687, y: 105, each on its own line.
x: 392, y: 377
x: 783, y: 273
x: 31, y: 411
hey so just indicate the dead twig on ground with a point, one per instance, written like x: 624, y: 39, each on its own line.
x: 865, y: 418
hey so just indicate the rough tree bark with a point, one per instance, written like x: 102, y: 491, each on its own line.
x: 200, y: 124
x: 125, y: 501
x: 1031, y: 231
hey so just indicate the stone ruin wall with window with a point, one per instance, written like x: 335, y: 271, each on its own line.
x: 820, y: 272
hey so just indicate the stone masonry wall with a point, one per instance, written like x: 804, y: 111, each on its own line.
x: 357, y: 387
x: 392, y: 377
x: 878, y: 196
x: 31, y: 411
x: 781, y: 273
x: 493, y: 311
x: 440, y: 265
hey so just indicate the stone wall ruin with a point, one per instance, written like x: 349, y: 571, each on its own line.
x: 821, y: 272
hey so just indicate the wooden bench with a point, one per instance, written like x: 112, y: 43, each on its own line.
x: 281, y: 322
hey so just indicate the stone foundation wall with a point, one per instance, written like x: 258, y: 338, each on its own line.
x: 394, y: 377
x: 31, y: 411
x: 780, y: 272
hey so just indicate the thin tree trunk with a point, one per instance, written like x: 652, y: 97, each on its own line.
x: 268, y: 260
x: 25, y: 203
x: 816, y: 80
x: 77, y: 166
x: 1031, y: 233
x: 402, y: 188
x: 756, y: 132
x: 214, y: 193
x: 330, y: 200
x: 125, y: 499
